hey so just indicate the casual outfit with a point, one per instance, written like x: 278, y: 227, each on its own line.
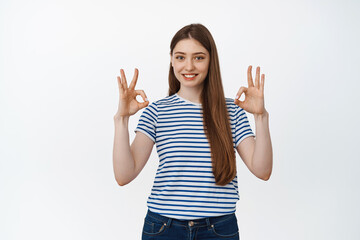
x: 184, y: 190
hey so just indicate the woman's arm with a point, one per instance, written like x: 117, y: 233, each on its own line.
x: 128, y: 161
x: 263, y: 157
x: 257, y: 152
x: 123, y: 161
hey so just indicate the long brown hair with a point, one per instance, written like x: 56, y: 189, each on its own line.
x: 215, y: 114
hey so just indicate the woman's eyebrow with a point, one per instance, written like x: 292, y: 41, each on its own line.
x: 193, y: 53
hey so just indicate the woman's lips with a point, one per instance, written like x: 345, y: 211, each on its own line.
x: 189, y: 76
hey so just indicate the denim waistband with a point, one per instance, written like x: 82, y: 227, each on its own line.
x: 208, y: 221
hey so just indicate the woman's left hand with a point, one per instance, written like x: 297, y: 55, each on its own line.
x: 254, y: 95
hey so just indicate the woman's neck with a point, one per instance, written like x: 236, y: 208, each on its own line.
x: 193, y: 95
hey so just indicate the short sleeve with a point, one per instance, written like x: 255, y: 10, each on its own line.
x: 242, y: 126
x: 147, y: 121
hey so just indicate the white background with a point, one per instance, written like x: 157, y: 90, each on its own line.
x: 58, y: 96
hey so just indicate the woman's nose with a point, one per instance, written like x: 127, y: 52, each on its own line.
x: 189, y: 65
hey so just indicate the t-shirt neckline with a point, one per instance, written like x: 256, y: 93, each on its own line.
x: 187, y: 101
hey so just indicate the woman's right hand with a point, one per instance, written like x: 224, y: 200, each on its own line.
x: 128, y: 105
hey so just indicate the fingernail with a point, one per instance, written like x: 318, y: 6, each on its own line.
x: 146, y: 99
x: 237, y: 96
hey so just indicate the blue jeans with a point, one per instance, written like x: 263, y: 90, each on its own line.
x: 160, y: 227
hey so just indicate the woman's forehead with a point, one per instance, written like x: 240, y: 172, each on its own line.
x: 189, y: 46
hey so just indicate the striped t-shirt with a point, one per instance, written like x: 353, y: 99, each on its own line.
x: 184, y: 186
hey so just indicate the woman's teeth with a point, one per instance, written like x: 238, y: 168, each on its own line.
x: 190, y: 76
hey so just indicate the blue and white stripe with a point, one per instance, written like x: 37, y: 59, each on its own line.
x: 184, y: 186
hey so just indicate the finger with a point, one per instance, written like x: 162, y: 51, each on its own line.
x: 262, y: 83
x: 250, y: 80
x: 134, y: 80
x: 238, y: 95
x: 143, y: 104
x: 257, y: 78
x: 120, y: 85
x: 142, y: 94
x: 240, y: 91
x: 123, y: 78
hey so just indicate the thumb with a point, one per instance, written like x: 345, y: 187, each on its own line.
x: 142, y: 104
x: 240, y: 103
x: 143, y: 95
x: 238, y: 95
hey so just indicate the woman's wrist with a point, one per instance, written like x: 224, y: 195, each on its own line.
x: 121, y: 119
x: 261, y: 115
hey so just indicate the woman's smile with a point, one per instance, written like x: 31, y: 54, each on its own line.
x: 189, y: 76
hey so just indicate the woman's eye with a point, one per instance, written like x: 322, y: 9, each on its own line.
x: 180, y: 57
x: 199, y: 58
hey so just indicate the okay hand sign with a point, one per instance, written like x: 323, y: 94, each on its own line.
x: 128, y: 105
x: 254, y: 95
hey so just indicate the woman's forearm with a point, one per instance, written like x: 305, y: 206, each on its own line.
x: 263, y: 157
x: 123, y: 161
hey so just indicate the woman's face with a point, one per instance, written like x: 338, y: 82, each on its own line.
x: 190, y: 61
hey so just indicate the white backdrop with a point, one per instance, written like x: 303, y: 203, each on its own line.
x: 58, y: 95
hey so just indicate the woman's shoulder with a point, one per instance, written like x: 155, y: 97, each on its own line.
x: 230, y: 103
x: 232, y: 107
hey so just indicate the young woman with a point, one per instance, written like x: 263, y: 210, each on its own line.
x: 197, y: 132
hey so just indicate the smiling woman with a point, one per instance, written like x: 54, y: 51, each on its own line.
x: 197, y: 131
x: 205, y: 88
x: 190, y: 62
